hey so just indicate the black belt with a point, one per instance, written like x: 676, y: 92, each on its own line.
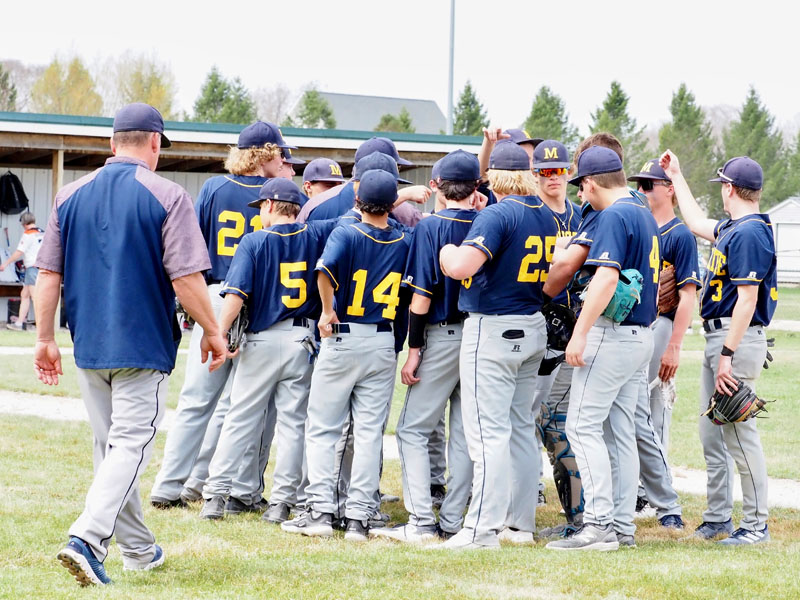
x: 345, y: 327
x: 450, y: 322
x: 710, y: 325
x: 300, y: 322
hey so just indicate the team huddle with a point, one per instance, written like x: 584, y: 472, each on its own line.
x: 542, y: 323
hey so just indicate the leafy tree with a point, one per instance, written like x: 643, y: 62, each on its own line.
x: 689, y: 136
x: 221, y: 101
x: 549, y: 120
x: 143, y: 79
x: 793, y: 163
x: 272, y: 104
x: 754, y: 134
x: 612, y: 116
x: 66, y: 90
x: 8, y: 91
x: 23, y: 76
x: 315, y: 112
x: 400, y: 123
x: 469, y: 117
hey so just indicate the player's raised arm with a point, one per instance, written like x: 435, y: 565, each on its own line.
x: 694, y: 216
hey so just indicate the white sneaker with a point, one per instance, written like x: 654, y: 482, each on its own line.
x: 463, y: 541
x: 407, y: 533
x: 516, y: 536
x: 589, y: 537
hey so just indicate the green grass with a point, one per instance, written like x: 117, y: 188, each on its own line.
x: 788, y: 303
x: 47, y: 471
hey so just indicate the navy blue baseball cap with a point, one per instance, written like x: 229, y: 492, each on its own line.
x: 377, y: 187
x: 550, y: 154
x: 377, y: 160
x: 323, y: 169
x: 508, y: 156
x: 287, y: 157
x: 260, y: 133
x: 459, y: 166
x: 278, y: 188
x: 595, y: 161
x: 651, y: 170
x: 383, y: 145
x: 743, y: 172
x: 140, y: 117
x: 436, y: 170
x: 520, y: 136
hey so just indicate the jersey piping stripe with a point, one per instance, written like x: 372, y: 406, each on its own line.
x: 402, y: 235
x: 333, y: 279
x: 484, y: 248
x: 671, y: 228
x: 287, y: 234
x: 418, y: 288
x: 742, y: 222
x: 247, y: 185
x: 526, y: 204
x: 451, y: 219
x: 230, y: 287
x: 602, y: 260
x: 746, y: 279
x: 636, y: 204
x: 694, y: 279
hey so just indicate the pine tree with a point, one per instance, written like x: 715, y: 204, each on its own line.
x: 69, y: 91
x: 8, y: 91
x: 689, y: 136
x: 469, y: 117
x: 315, y: 112
x: 549, y: 120
x: 400, y: 123
x: 613, y: 117
x: 754, y: 135
x: 221, y: 101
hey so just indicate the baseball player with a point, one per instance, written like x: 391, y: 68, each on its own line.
x: 502, y: 263
x: 320, y: 175
x: 121, y: 233
x: 435, y: 332
x: 224, y: 216
x: 271, y: 272
x: 360, y: 271
x: 605, y: 389
x: 491, y: 136
x: 653, y: 414
x: 27, y: 250
x: 738, y: 299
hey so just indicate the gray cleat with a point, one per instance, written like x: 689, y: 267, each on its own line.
x: 213, y: 508
x: 589, y: 537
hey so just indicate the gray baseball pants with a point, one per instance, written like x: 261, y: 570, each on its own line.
x: 660, y: 410
x: 125, y: 408
x: 738, y: 440
x: 499, y: 361
x: 425, y: 405
x: 353, y: 373
x: 600, y: 420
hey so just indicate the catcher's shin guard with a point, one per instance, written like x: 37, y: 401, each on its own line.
x: 565, y: 468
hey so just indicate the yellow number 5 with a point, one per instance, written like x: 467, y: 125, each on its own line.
x: 293, y: 284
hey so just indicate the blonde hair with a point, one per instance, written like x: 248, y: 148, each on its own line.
x: 518, y: 183
x: 246, y: 161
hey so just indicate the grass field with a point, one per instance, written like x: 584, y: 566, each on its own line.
x: 47, y: 470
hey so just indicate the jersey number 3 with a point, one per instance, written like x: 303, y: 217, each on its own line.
x: 386, y: 292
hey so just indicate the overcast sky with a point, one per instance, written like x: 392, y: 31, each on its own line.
x: 508, y: 49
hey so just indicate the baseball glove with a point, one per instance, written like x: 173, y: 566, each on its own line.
x: 743, y: 404
x: 667, y: 291
x: 236, y: 332
x: 626, y: 295
x: 560, y: 323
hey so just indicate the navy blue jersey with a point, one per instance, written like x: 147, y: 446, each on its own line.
x: 679, y: 249
x: 353, y: 216
x: 423, y: 273
x: 365, y: 265
x: 518, y: 236
x: 626, y: 237
x: 225, y: 217
x: 273, y: 271
x: 584, y: 235
x: 743, y: 254
x: 335, y: 206
x: 486, y: 191
x: 569, y: 220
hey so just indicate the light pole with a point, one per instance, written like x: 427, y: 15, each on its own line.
x: 450, y: 70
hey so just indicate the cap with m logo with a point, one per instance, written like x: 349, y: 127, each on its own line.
x: 550, y: 154
x: 651, y: 170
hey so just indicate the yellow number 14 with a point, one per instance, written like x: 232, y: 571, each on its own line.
x: 386, y: 292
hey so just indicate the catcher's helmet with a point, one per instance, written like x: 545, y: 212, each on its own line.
x: 560, y: 323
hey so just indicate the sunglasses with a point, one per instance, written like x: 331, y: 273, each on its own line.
x: 721, y: 174
x: 647, y: 185
x: 551, y: 172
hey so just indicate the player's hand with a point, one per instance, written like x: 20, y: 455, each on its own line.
x: 494, y: 135
x: 669, y: 162
x: 669, y: 362
x: 408, y: 374
x: 481, y: 200
x: 217, y: 347
x: 325, y: 322
x: 47, y: 361
x: 575, y: 348
x: 418, y: 194
x: 725, y: 382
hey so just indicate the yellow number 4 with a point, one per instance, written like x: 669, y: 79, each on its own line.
x: 654, y: 259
